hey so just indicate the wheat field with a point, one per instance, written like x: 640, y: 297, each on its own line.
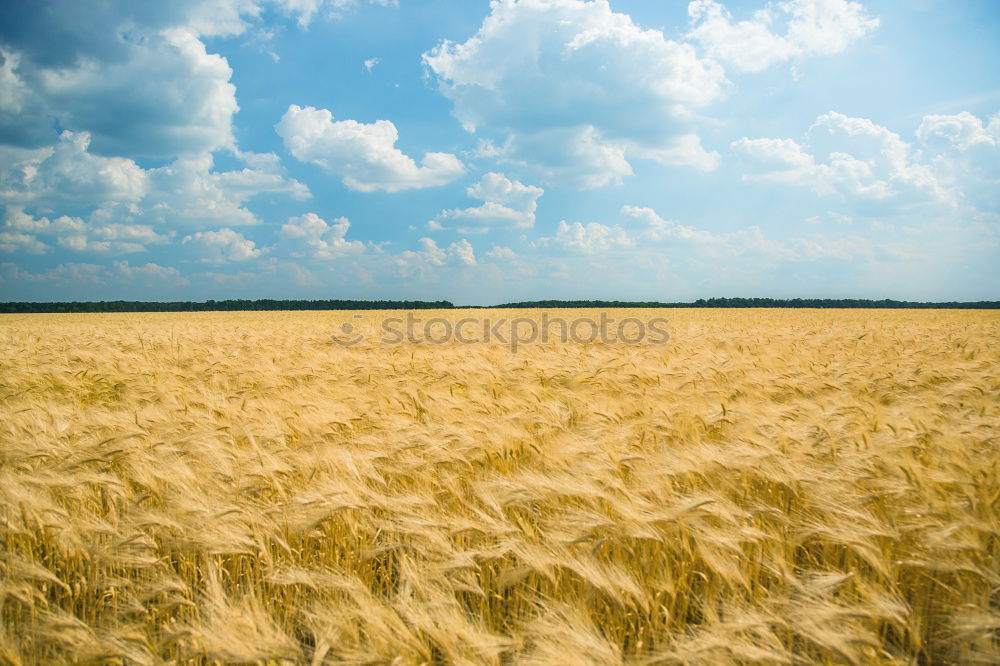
x: 769, y: 486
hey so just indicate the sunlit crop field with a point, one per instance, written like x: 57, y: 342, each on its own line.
x: 768, y: 486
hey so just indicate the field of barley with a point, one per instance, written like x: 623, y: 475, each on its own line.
x: 768, y: 486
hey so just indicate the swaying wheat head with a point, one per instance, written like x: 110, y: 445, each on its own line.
x: 777, y: 487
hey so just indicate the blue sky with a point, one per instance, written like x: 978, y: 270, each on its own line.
x: 487, y: 152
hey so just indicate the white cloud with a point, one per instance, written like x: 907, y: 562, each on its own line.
x: 69, y: 274
x: 185, y: 192
x: 138, y: 79
x: 779, y: 159
x: 579, y: 156
x: 810, y: 27
x: 965, y: 156
x: 486, y: 149
x: 499, y: 189
x: 364, y: 156
x: 188, y: 193
x: 506, y: 204
x: 113, y: 238
x: 163, y: 95
x: 262, y: 162
x: 127, y: 203
x: 79, y: 278
x: 682, y: 150
x: 370, y: 63
x: 222, y: 246
x: 961, y: 132
x: 654, y: 228
x: 580, y: 91
x: 17, y: 220
x: 136, y: 75
x: 74, y: 233
x: 830, y: 217
x: 826, y: 26
x: 577, y: 87
x: 311, y: 236
x: 852, y: 157
x: 701, y: 245
x: 423, y: 262
x: 17, y: 242
x: 246, y: 183
x: 99, y: 30
x: 307, y: 9
x: 13, y: 91
x: 655, y: 231
x: 168, y: 97
x: 745, y: 45
x: 463, y: 251
x: 501, y: 253
x: 591, y: 238
x: 150, y: 273
x: 68, y: 172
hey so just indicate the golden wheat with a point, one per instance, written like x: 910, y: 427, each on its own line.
x: 768, y: 487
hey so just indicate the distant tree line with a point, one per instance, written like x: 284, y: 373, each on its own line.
x: 763, y: 303
x: 223, y: 306
x: 271, y: 304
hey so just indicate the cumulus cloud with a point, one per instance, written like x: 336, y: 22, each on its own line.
x: 591, y: 238
x: 506, y: 204
x: 222, y: 246
x: 965, y: 156
x: 149, y: 273
x: 57, y: 34
x: 501, y: 253
x: 189, y: 193
x: 363, y: 155
x: 68, y: 275
x: 809, y: 27
x: 660, y: 234
x: 113, y: 238
x: 169, y: 97
x: 578, y: 88
x: 307, y: 9
x: 130, y: 209
x: 960, y: 132
x: 463, y: 251
x: 954, y: 164
x: 580, y: 157
x: 135, y: 75
x: 246, y: 183
x: 852, y: 157
x: 13, y: 91
x: 80, y: 279
x: 579, y: 91
x: 164, y: 96
x: 311, y: 236
x: 64, y: 30
x: 122, y: 195
x: 420, y: 263
x: 15, y: 242
x: 73, y: 233
x: 125, y: 79
x: 68, y: 172
x: 654, y: 228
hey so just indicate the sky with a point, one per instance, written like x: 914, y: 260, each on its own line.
x: 488, y: 152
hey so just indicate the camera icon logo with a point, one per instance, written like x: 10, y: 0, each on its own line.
x: 348, y: 335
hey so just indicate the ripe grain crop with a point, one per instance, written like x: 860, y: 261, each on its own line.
x: 770, y: 486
